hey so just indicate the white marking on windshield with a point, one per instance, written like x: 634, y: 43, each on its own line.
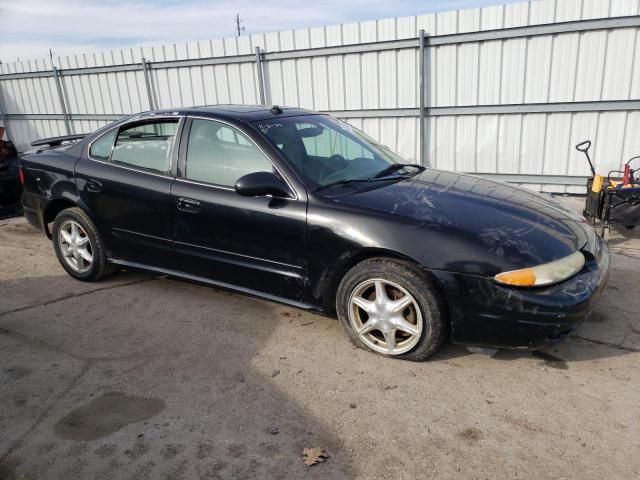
x: 266, y: 126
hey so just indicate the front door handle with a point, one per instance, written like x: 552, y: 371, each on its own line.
x: 94, y: 186
x: 188, y: 205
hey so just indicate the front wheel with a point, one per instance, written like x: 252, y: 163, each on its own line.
x: 390, y: 307
x: 79, y: 247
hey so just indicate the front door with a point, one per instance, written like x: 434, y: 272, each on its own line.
x: 125, y: 184
x: 255, y: 243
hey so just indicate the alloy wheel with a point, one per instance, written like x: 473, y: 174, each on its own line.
x: 385, y: 316
x: 75, y: 246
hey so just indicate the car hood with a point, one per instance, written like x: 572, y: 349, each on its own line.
x: 481, y: 226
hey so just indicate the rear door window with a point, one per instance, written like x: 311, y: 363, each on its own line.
x: 147, y: 146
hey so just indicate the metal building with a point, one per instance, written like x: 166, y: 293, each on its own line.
x: 506, y: 90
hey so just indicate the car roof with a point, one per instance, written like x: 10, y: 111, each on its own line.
x: 245, y: 113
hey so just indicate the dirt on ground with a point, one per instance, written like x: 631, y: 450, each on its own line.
x: 147, y: 377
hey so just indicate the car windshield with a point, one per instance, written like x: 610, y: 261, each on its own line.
x: 326, y: 151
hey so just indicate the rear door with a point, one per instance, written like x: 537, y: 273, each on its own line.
x: 125, y: 183
x: 255, y: 243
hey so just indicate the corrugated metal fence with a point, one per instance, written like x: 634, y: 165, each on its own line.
x: 507, y: 90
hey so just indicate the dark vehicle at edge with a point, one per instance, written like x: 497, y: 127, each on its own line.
x: 304, y: 209
x: 10, y: 186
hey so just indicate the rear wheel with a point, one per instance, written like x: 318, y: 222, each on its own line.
x: 79, y: 247
x: 389, y: 306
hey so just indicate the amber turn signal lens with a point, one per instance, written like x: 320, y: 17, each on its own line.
x: 525, y: 277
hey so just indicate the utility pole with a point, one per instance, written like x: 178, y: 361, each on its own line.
x: 238, y: 22
x: 51, y: 56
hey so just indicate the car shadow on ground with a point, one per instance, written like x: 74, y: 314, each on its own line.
x: 573, y: 349
x: 150, y: 377
x: 588, y: 342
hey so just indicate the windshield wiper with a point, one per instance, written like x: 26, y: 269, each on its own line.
x: 358, y: 180
x: 394, y: 167
x: 381, y: 175
x: 343, y: 182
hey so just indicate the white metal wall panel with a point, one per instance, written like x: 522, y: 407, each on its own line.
x: 338, y: 71
x: 591, y: 64
x: 489, y: 77
x: 609, y: 140
x: 466, y: 128
x: 487, y: 143
x: 545, y: 12
x: 368, y: 81
x: 563, y: 73
x: 445, y: 143
x: 618, y: 64
x: 538, y: 69
x: 509, y: 138
x: 320, y: 80
x: 566, y: 67
x: 513, y: 65
x: 445, y: 69
x: 532, y: 144
x: 556, y: 148
x: 388, y: 72
x: 405, y: 140
x: 407, y: 71
x: 516, y: 15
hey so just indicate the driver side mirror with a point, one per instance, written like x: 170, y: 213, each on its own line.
x: 259, y: 184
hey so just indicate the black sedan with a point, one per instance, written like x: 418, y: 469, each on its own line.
x: 302, y: 208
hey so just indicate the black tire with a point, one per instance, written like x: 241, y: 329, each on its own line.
x: 413, y: 279
x: 100, y: 266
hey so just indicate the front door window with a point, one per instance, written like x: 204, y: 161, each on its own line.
x: 220, y: 154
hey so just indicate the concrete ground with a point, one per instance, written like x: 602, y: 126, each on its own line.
x: 148, y: 377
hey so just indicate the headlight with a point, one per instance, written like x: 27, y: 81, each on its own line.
x: 545, y: 274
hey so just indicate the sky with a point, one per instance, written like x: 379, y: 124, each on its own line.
x: 29, y: 28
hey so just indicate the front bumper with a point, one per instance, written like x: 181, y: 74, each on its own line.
x: 484, y: 313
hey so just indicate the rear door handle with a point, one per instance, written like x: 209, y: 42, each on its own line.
x: 188, y: 205
x: 94, y: 186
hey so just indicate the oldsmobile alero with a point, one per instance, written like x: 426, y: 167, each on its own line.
x: 304, y: 209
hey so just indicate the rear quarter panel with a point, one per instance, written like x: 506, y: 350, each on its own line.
x: 48, y: 175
